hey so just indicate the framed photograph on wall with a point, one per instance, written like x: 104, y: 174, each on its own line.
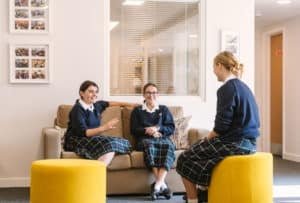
x: 29, y: 63
x: 29, y: 16
x: 230, y: 42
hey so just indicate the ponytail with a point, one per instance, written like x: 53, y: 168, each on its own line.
x: 229, y: 61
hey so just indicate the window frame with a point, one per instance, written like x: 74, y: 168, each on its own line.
x: 166, y: 99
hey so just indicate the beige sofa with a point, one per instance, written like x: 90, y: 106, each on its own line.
x: 126, y: 174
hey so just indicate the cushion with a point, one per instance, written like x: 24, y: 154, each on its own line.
x: 62, y: 117
x: 180, y: 137
x: 126, y: 126
x: 108, y: 114
x: 176, y: 111
x: 61, y: 132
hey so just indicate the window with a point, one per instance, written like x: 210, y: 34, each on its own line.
x: 155, y: 41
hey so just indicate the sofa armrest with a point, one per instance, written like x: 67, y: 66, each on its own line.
x: 195, y: 134
x: 52, y: 143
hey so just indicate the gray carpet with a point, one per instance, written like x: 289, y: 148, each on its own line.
x: 286, y: 173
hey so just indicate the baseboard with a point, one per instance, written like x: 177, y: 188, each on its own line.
x: 14, y: 182
x: 291, y: 157
x: 276, y: 149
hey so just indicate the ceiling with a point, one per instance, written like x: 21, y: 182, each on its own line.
x: 273, y: 13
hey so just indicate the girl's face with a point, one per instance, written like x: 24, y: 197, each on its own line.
x: 218, y: 70
x: 151, y: 95
x: 89, y: 96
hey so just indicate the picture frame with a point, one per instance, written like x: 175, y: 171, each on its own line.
x: 29, y: 63
x: 230, y: 42
x: 29, y: 16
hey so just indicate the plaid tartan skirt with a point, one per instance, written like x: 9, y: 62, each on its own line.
x: 158, y: 152
x: 196, y: 164
x: 96, y: 146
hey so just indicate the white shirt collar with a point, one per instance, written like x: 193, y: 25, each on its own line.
x: 86, y: 106
x: 229, y: 78
x: 145, y: 107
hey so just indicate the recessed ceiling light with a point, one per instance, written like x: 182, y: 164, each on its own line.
x: 133, y: 2
x: 281, y: 2
x: 193, y: 36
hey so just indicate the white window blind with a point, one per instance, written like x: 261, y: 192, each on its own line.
x: 154, y: 41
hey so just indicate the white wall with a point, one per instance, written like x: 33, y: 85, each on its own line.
x: 291, y: 95
x: 78, y: 40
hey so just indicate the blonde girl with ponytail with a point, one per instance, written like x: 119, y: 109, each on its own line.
x: 235, y: 130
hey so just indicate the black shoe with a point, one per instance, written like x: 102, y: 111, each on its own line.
x: 153, y: 193
x: 184, y: 197
x: 202, y: 196
x: 166, y: 193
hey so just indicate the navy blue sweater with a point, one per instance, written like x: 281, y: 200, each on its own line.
x: 140, y: 119
x: 237, y: 113
x: 80, y: 119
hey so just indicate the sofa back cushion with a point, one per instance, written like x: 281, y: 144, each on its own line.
x: 176, y: 111
x: 63, y: 111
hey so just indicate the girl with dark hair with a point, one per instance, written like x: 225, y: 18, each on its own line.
x: 152, y: 125
x: 84, y: 127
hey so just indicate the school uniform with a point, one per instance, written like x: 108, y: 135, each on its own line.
x: 158, y: 152
x: 83, y: 117
x: 236, y: 123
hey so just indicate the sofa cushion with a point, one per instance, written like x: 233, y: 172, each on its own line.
x: 126, y: 126
x: 180, y: 136
x: 111, y: 112
x: 69, y: 155
x: 119, y: 162
x: 137, y: 159
x: 176, y: 111
x: 62, y: 117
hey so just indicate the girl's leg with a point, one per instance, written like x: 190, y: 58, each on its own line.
x: 155, y: 172
x: 107, y: 158
x: 190, y: 188
x: 160, y: 181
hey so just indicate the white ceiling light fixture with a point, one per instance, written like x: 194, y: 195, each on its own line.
x: 283, y: 2
x: 113, y: 24
x: 193, y: 36
x: 133, y: 2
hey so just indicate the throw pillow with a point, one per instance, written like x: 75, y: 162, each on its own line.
x: 180, y: 137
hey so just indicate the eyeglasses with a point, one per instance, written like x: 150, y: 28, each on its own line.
x: 151, y: 93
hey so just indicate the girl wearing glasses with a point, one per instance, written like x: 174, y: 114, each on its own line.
x: 152, y: 125
x: 84, y: 127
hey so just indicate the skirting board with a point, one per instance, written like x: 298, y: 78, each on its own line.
x: 276, y: 149
x: 14, y: 182
x: 291, y: 157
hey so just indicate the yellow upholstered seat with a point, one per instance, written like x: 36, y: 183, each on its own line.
x: 68, y: 181
x: 242, y: 179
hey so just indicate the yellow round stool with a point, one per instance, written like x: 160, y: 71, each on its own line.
x: 242, y: 179
x: 68, y: 181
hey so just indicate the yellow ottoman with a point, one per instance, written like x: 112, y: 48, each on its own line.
x: 242, y: 179
x: 68, y: 181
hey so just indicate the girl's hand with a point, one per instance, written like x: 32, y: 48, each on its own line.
x: 111, y: 124
x: 151, y: 130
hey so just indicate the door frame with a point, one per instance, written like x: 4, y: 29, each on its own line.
x: 265, y: 71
